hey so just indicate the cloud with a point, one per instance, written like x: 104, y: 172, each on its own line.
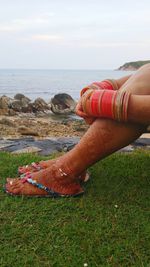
x: 8, y: 28
x: 114, y: 44
x: 46, y: 37
x: 35, y: 20
x: 27, y: 23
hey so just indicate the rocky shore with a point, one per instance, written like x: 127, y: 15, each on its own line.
x: 19, y: 116
x: 38, y: 126
x: 41, y: 126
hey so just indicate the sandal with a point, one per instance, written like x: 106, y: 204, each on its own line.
x: 36, y: 167
x: 51, y: 193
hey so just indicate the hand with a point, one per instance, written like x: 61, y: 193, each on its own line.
x: 79, y: 112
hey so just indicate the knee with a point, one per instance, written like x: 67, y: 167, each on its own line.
x: 145, y: 67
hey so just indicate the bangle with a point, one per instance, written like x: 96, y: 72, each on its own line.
x: 86, y: 96
x: 113, y: 83
x: 109, y: 84
x: 106, y: 104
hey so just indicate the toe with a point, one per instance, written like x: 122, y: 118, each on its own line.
x: 16, y: 187
x: 11, y: 188
x: 9, y: 180
x: 12, y: 181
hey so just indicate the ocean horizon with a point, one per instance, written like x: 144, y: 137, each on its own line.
x: 45, y: 83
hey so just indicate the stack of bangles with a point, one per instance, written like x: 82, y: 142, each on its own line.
x: 103, y: 99
x: 109, y: 84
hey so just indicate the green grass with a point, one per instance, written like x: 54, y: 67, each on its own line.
x: 108, y: 226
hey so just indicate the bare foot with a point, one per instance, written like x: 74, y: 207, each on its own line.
x: 35, y: 167
x: 57, y: 178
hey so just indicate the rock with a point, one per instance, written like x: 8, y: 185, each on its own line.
x: 30, y: 149
x: 21, y: 96
x: 40, y: 105
x: 4, y: 144
x: 142, y: 142
x: 4, y: 111
x: 26, y: 106
x: 12, y: 112
x: 127, y: 149
x: 7, y: 121
x: 22, y: 105
x: 16, y: 105
x: 5, y: 102
x: 27, y: 131
x: 62, y: 104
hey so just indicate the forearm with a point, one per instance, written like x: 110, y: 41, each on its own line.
x: 139, y: 109
x: 118, y: 105
x: 114, y: 84
x: 122, y: 80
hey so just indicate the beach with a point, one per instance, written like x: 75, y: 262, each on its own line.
x: 45, y: 84
x: 40, y: 127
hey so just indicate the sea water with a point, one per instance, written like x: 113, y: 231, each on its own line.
x: 47, y: 83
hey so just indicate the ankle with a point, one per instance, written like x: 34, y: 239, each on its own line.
x: 65, y: 174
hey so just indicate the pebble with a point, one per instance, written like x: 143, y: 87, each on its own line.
x: 30, y: 149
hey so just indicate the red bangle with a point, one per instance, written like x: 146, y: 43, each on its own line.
x: 89, y: 87
x: 107, y: 104
x: 95, y: 102
x: 104, y: 85
x: 102, y: 103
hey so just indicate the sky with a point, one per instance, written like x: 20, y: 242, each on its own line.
x: 79, y: 34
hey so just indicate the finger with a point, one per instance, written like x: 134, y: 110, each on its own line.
x: 79, y: 111
x: 89, y: 120
x: 81, y: 114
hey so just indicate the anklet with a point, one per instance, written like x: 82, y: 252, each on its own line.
x: 62, y: 173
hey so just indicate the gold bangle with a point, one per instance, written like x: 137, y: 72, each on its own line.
x: 84, y: 99
x: 113, y: 83
x: 118, y: 105
x: 100, y: 100
x: 125, y: 106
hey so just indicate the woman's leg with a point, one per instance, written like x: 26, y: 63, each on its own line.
x: 139, y: 109
x: 102, y: 138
